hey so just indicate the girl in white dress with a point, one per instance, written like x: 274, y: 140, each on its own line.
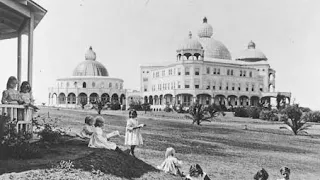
x: 171, y: 164
x: 98, y: 139
x: 88, y: 128
x: 133, y: 136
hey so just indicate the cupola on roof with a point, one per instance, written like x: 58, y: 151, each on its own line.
x: 90, y: 67
x: 251, y: 54
x: 212, y: 47
x: 190, y: 44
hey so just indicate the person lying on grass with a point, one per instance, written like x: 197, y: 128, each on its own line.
x: 285, y: 173
x: 171, y: 164
x: 261, y: 175
x: 133, y: 136
x: 196, y: 173
x: 88, y: 128
x: 99, y: 139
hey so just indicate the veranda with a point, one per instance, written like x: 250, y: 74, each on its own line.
x: 17, y: 18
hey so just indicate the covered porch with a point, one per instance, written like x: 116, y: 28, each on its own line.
x: 17, y: 18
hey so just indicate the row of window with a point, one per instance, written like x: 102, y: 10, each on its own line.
x: 208, y: 86
x: 93, y: 85
x: 187, y: 71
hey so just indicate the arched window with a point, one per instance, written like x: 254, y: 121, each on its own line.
x: 67, y: 84
x: 110, y: 85
x: 93, y: 84
x: 84, y: 85
x: 75, y: 84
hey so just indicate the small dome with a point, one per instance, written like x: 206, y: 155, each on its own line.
x: 252, y: 54
x: 205, y: 30
x: 190, y: 44
x: 90, y: 67
x: 215, y: 49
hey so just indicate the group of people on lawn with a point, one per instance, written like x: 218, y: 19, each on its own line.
x: 93, y: 131
x: 98, y: 139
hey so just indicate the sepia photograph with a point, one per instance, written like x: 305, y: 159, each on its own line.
x: 159, y: 90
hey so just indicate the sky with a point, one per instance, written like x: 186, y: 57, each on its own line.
x: 128, y: 33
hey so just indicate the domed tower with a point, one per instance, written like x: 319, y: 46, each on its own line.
x: 251, y: 54
x: 190, y: 49
x: 212, y: 48
x: 90, y: 67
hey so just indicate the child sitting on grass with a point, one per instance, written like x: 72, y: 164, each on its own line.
x: 99, y: 140
x: 285, y: 173
x: 88, y: 128
x: 171, y: 164
x: 196, y: 173
x: 261, y: 175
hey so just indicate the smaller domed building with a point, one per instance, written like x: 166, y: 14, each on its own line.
x: 89, y: 82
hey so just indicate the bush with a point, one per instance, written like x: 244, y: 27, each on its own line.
x: 254, y: 112
x: 268, y: 115
x: 241, y: 112
x: 167, y: 108
x: 312, y: 116
x: 137, y: 107
x: 293, y: 120
x: 16, y: 145
x: 115, y: 106
x: 47, y: 129
x: 124, y: 107
x: 146, y: 107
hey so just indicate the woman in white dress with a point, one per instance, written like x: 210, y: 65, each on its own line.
x: 133, y: 136
x: 171, y: 164
x: 98, y: 139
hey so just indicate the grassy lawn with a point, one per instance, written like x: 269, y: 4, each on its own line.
x: 223, y: 148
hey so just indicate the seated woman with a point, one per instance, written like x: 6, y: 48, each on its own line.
x: 261, y: 175
x: 171, y: 164
x: 196, y: 173
x: 11, y: 95
x: 98, y: 139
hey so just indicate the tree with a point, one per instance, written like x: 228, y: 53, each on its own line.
x: 98, y: 105
x: 292, y: 118
x: 198, y: 114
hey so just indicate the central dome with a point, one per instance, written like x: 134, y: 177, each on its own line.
x: 90, y: 67
x: 212, y: 48
x: 251, y: 54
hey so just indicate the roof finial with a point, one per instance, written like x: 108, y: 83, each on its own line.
x: 190, y: 34
x: 205, y: 20
x: 251, y: 45
x: 90, y: 47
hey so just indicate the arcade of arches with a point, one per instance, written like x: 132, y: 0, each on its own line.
x: 205, y: 99
x: 83, y: 98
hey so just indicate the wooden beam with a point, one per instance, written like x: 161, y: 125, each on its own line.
x: 9, y: 23
x: 8, y: 35
x: 30, y: 49
x: 23, y: 25
x: 18, y: 7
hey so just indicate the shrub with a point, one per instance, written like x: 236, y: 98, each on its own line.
x: 167, y: 108
x: 137, y: 107
x: 293, y: 119
x: 312, y: 116
x: 254, y: 112
x: 305, y: 109
x: 198, y: 114
x: 47, y: 129
x: 124, y: 107
x: 16, y: 145
x: 115, y: 106
x: 146, y: 107
x: 268, y: 115
x: 240, y: 112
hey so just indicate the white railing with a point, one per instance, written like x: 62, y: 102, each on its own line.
x: 21, y: 113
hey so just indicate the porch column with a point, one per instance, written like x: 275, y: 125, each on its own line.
x: 19, y: 61
x: 30, y: 48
